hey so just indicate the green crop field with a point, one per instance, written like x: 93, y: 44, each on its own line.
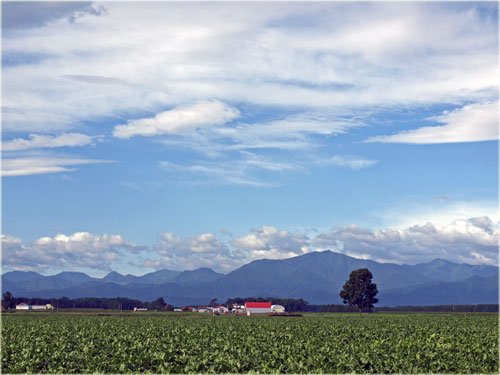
x: 186, y: 343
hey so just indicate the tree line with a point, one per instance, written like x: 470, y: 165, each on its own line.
x: 117, y: 303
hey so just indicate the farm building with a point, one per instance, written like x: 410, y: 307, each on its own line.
x: 220, y: 310
x: 38, y: 307
x: 258, y: 308
x: 25, y: 306
x: 277, y: 309
x: 22, y: 306
x: 140, y: 309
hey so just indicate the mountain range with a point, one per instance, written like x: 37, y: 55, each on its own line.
x: 316, y: 277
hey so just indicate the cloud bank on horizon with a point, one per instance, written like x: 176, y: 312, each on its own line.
x: 473, y: 241
x: 194, y: 116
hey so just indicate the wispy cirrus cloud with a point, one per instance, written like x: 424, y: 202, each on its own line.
x: 339, y: 56
x: 353, y: 162
x: 47, y: 141
x: 205, y: 83
x: 252, y: 169
x: 472, y: 123
x: 24, y: 166
x: 30, y: 156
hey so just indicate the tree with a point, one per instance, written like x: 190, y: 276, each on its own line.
x: 157, y: 304
x: 8, y: 301
x: 359, y: 290
x: 213, y: 302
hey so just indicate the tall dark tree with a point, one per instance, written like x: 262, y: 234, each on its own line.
x: 359, y: 290
x: 8, y: 301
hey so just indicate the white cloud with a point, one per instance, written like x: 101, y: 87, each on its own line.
x: 207, y: 250
x: 437, y: 211
x: 352, y: 162
x: 471, y: 123
x: 270, y: 242
x: 473, y: 241
x: 252, y: 169
x: 47, y: 141
x: 78, y: 250
x: 179, y: 119
x: 300, y: 56
x: 249, y: 169
x: 24, y: 166
x: 206, y: 243
x: 204, y: 250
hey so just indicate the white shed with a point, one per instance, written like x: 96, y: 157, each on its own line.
x: 220, y: 310
x: 38, y: 307
x: 277, y: 309
x: 22, y: 306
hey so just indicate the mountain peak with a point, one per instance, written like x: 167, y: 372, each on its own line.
x: 440, y: 261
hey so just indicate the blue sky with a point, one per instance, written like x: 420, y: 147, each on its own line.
x: 168, y: 136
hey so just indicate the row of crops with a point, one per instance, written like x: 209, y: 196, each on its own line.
x: 317, y: 343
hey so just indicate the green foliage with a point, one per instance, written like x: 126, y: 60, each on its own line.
x: 359, y: 289
x: 194, y: 343
x: 8, y: 301
x: 157, y: 304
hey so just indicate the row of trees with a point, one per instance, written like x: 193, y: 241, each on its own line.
x: 118, y: 303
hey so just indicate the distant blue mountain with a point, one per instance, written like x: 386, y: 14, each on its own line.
x: 474, y: 290
x: 74, y: 277
x: 198, y: 276
x: 317, y: 277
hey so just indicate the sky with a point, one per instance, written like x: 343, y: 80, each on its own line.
x: 141, y: 136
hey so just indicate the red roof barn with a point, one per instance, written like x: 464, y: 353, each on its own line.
x: 258, y: 307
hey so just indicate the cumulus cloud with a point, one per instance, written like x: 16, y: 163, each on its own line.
x: 24, y: 166
x: 271, y: 239
x: 204, y: 250
x: 472, y: 240
x: 78, y: 250
x: 47, y: 141
x: 207, y: 250
x: 179, y: 119
x: 471, y: 123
